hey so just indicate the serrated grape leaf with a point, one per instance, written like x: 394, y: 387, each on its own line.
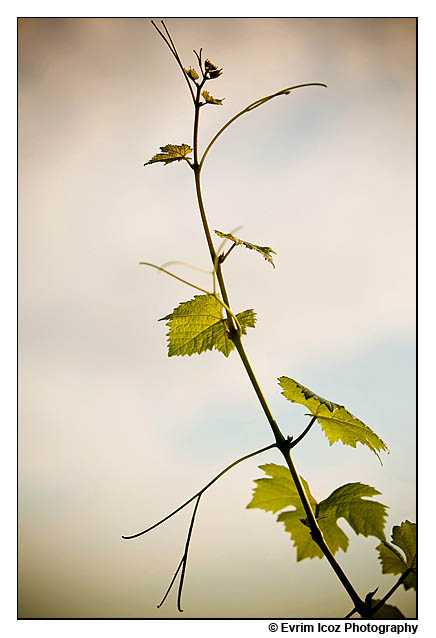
x: 387, y: 612
x: 171, y: 153
x: 265, y: 251
x: 273, y: 495
x: 365, y: 517
x: 392, y: 561
x: 198, y: 325
x: 337, y: 423
x: 349, y: 501
x: 212, y: 100
x: 404, y: 536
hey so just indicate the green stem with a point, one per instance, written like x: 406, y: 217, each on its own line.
x: 197, y: 170
x: 203, y: 215
x: 282, y: 443
x: 284, y: 447
x: 280, y: 439
x: 318, y: 537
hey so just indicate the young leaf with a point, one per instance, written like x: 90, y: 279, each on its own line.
x: 337, y: 423
x: 348, y: 502
x: 392, y: 561
x: 171, y: 153
x: 212, y: 100
x: 191, y: 73
x: 211, y: 70
x: 265, y: 251
x: 198, y: 325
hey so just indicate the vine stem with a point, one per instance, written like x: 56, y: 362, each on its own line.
x: 284, y: 446
x: 282, y: 443
x: 386, y: 597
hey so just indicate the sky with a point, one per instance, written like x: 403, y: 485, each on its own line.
x: 113, y: 434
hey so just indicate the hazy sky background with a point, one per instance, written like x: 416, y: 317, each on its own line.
x: 114, y: 434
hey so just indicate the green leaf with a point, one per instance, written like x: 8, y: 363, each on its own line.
x: 387, y: 612
x: 171, y: 153
x: 265, y: 251
x: 393, y: 561
x: 337, y: 423
x: 365, y: 517
x: 278, y: 493
x: 404, y: 536
x: 349, y: 501
x: 191, y: 73
x: 212, y: 100
x: 198, y: 325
